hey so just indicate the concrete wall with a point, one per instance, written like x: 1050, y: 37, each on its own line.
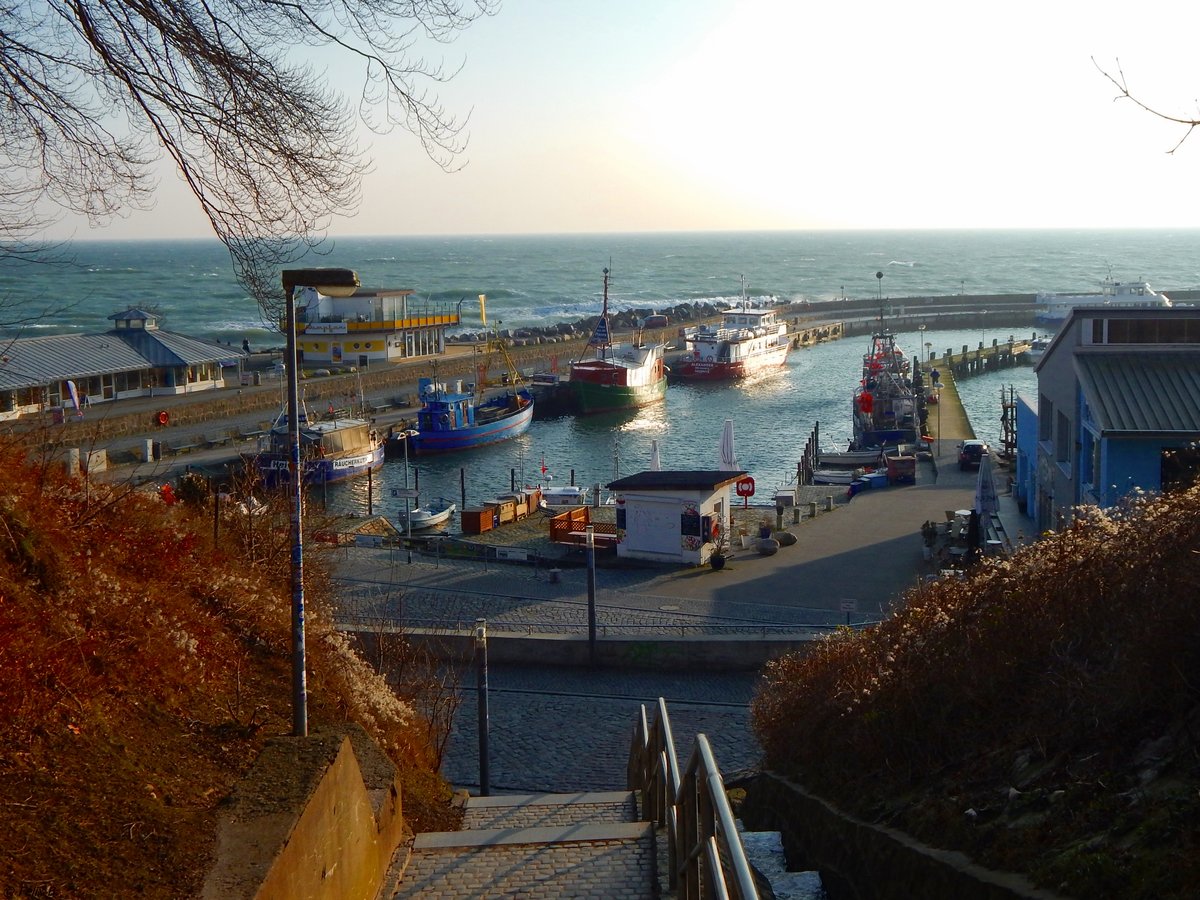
x: 657, y: 652
x: 318, y: 817
x: 858, y: 859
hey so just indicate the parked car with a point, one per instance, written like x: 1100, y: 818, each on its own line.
x: 970, y: 453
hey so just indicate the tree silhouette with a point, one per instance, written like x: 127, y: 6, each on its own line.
x: 96, y: 91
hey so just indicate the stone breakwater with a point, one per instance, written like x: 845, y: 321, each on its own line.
x: 679, y: 315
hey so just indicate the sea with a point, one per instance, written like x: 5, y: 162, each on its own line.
x: 539, y: 280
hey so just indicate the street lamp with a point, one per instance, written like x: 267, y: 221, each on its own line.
x: 331, y: 283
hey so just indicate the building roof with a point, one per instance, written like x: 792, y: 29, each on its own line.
x: 1143, y: 393
x: 676, y: 480
x: 32, y: 362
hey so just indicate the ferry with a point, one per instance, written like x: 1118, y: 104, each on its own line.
x: 1053, y: 309
x: 746, y: 342
x: 619, y: 376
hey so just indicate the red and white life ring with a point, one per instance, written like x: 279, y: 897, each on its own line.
x: 163, y: 418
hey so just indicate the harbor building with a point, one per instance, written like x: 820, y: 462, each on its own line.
x: 1117, y: 411
x: 373, y: 325
x: 135, y: 358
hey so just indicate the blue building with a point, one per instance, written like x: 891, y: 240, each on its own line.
x: 1117, y: 411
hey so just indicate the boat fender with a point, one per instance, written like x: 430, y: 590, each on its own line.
x: 163, y: 418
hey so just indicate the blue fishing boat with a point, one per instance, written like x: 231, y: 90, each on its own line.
x: 451, y: 418
x: 331, y: 450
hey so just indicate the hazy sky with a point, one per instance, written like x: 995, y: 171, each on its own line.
x: 650, y: 115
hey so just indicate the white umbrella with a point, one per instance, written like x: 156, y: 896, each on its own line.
x: 985, y: 489
x: 728, y: 458
x: 655, y: 462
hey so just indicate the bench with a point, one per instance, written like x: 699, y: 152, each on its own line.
x: 250, y: 435
x: 217, y: 440
x: 379, y: 406
x: 176, y: 448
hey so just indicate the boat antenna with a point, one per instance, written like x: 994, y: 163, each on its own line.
x: 601, y: 338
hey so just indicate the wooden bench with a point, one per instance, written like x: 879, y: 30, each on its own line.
x: 217, y: 440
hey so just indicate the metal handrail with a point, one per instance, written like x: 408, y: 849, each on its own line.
x: 706, y: 856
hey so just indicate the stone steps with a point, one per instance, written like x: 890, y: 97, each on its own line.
x: 536, y: 845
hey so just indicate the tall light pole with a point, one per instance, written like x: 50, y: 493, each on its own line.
x: 879, y: 279
x: 331, y: 283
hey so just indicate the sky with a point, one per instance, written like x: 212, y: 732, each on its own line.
x: 730, y: 115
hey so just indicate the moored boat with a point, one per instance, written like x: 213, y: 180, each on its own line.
x: 885, y: 402
x: 619, y: 376
x: 567, y: 495
x: 330, y: 451
x: 746, y: 342
x: 1053, y: 309
x: 435, y: 513
x: 452, y: 418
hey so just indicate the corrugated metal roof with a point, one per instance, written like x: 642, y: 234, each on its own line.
x: 1145, y: 392
x: 30, y: 362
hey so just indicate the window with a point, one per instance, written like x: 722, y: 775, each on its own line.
x: 1045, y: 417
x: 1062, y: 438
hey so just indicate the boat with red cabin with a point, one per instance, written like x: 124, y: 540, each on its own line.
x: 747, y: 341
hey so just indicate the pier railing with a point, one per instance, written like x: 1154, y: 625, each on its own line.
x: 705, y: 852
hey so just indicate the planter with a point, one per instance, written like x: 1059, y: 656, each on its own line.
x: 717, y: 561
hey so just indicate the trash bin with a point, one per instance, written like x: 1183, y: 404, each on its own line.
x: 257, y: 378
x: 157, y: 449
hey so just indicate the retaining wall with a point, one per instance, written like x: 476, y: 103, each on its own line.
x: 318, y: 817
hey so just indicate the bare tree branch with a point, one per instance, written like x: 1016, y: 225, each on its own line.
x: 1125, y: 94
x: 93, y: 91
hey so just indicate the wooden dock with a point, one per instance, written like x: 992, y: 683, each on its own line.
x: 1000, y: 355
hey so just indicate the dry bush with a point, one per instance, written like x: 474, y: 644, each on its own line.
x: 1048, y: 674
x: 144, y: 667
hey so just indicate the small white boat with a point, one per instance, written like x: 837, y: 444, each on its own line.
x: 835, y: 476
x: 434, y: 513
x: 851, y: 458
x: 568, y: 495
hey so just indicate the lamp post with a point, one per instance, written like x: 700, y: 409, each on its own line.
x: 332, y: 283
x: 590, y: 539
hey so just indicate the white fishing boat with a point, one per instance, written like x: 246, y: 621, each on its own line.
x: 850, y: 459
x: 434, y: 513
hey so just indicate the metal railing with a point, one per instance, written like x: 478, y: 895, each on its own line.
x: 705, y: 854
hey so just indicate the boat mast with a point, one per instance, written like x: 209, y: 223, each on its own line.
x: 601, y: 338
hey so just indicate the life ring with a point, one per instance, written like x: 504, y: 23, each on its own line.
x: 715, y: 534
x: 163, y: 418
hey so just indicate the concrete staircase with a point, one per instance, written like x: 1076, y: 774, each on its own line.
x: 536, y: 845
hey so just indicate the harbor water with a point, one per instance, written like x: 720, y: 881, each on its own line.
x: 773, y: 415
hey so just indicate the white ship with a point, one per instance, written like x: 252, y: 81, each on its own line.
x: 1053, y: 309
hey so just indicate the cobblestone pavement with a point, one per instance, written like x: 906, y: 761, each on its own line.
x: 570, y: 729
x: 542, y: 810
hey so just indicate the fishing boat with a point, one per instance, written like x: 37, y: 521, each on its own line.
x: 435, y: 513
x: 746, y: 342
x: 567, y: 495
x: 451, y: 418
x: 331, y: 450
x: 1053, y: 309
x: 618, y: 376
x: 885, y: 402
x: 836, y: 476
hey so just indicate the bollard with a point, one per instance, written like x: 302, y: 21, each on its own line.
x: 812, y: 510
x: 795, y: 515
x: 829, y: 504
